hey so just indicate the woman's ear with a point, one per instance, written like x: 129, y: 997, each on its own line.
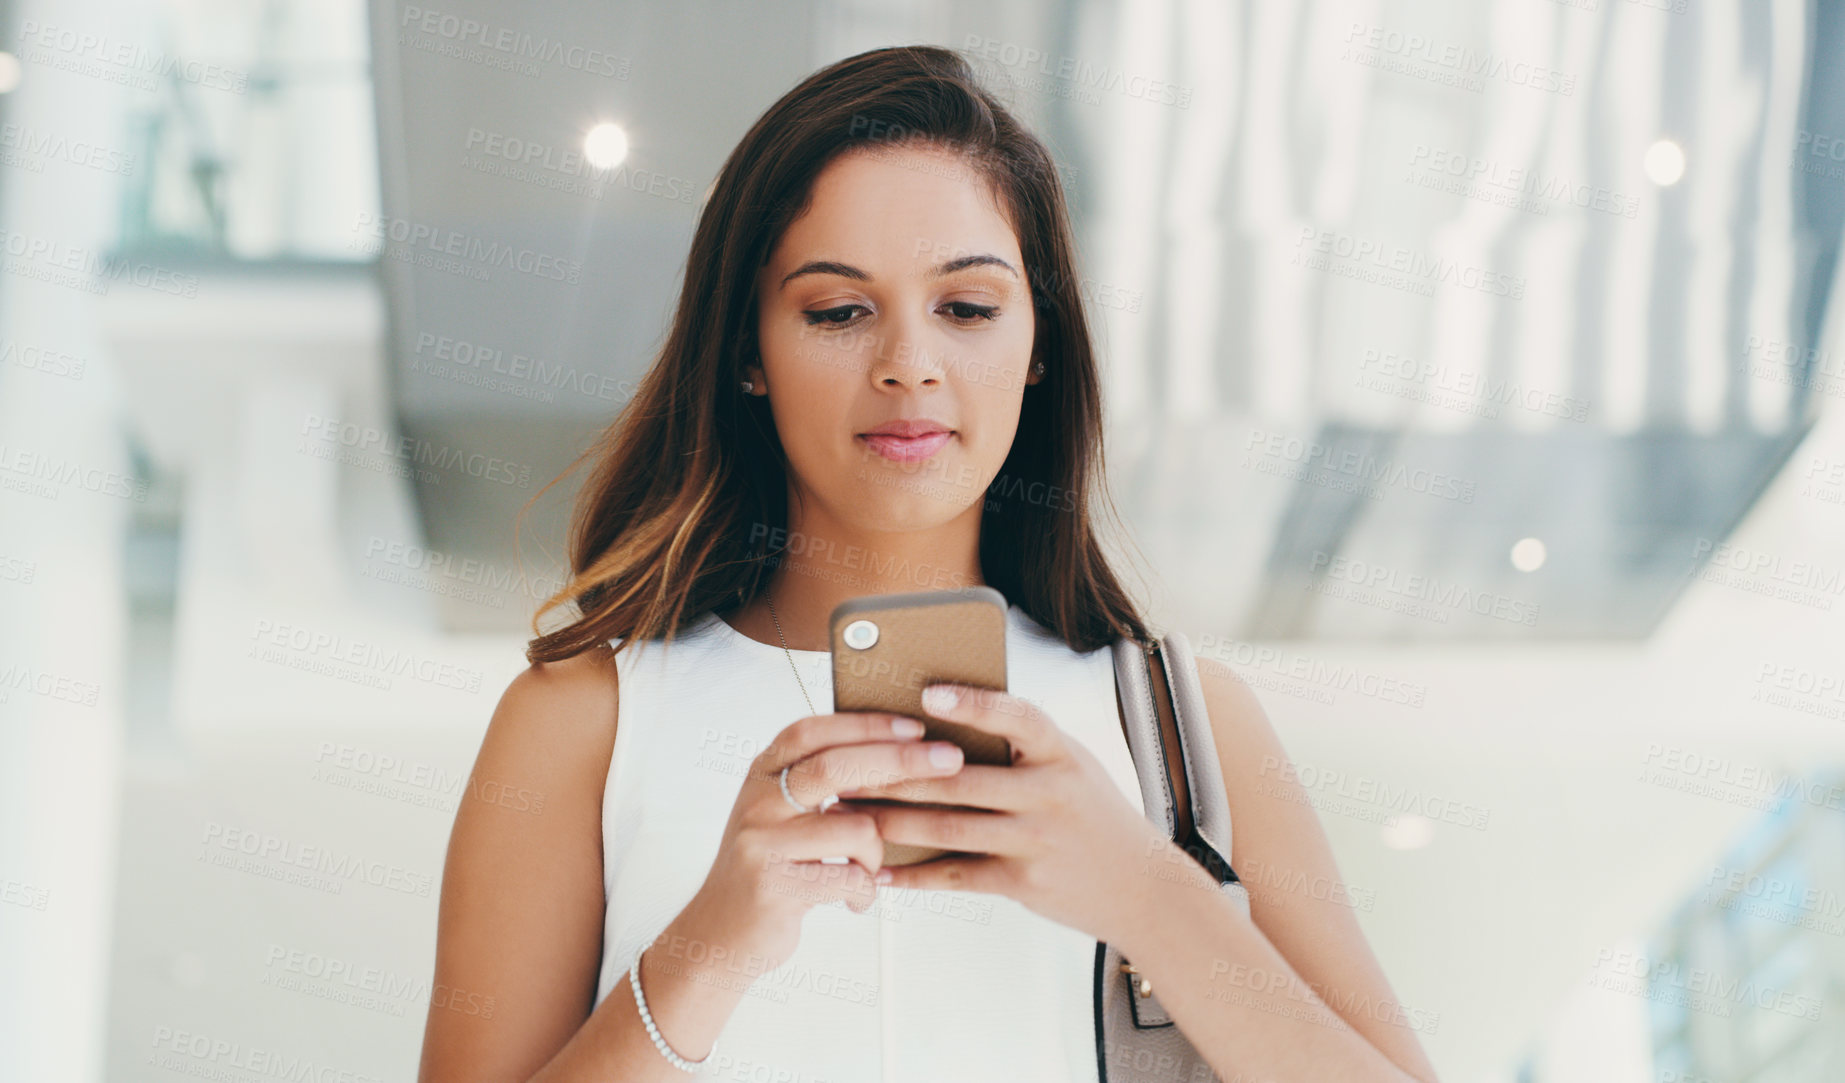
x: 1034, y: 369
x: 759, y: 384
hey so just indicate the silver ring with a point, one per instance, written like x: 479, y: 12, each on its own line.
x: 826, y: 802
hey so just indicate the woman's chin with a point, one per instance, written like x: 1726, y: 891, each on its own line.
x: 877, y: 510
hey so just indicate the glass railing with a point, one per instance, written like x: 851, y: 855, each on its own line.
x: 259, y: 143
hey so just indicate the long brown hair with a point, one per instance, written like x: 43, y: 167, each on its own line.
x: 671, y: 522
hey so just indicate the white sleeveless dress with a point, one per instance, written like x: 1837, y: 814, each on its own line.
x: 927, y: 986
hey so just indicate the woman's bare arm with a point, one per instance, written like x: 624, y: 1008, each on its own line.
x: 1295, y: 988
x: 1298, y: 900
x: 519, y: 932
x: 519, y: 935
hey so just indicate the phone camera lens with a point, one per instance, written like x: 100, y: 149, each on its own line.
x: 860, y: 634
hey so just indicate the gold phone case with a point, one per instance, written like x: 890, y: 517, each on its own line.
x: 923, y: 637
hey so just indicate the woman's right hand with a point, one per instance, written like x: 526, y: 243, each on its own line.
x: 768, y: 872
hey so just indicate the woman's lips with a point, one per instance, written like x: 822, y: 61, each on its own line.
x: 906, y: 449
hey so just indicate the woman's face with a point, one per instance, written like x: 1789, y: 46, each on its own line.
x: 898, y: 296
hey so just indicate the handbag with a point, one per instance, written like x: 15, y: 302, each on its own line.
x: 1182, y: 790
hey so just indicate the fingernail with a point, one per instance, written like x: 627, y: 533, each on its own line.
x: 945, y: 755
x: 884, y: 876
x: 906, y: 727
x: 938, y: 698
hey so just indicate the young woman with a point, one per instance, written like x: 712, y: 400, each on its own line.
x: 879, y: 378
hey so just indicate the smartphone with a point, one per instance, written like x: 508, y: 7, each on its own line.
x: 886, y: 648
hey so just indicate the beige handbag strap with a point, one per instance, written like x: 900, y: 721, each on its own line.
x: 1174, y: 750
x: 1185, y: 830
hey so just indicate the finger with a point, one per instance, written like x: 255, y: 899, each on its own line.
x: 811, y: 836
x: 849, y: 854
x: 882, y: 763
x: 814, y: 883
x: 815, y: 732
x: 949, y: 829
x: 979, y: 873
x: 1003, y: 789
x: 1030, y: 732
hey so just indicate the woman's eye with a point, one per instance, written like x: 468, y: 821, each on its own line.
x: 965, y: 312
x: 830, y: 317
x: 969, y: 312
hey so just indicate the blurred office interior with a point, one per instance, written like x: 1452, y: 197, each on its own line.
x: 1474, y: 384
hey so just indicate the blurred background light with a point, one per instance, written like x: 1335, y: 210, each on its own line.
x: 606, y: 146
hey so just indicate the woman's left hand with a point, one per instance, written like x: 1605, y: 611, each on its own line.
x: 1052, y: 831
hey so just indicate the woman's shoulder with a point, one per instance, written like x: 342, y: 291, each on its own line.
x: 558, y: 718
x: 580, y: 681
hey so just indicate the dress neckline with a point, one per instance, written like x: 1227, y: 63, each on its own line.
x: 729, y: 631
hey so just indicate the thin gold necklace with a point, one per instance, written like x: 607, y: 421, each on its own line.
x: 789, y: 653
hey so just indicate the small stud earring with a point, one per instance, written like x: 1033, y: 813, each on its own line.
x: 1038, y: 368
x: 748, y: 386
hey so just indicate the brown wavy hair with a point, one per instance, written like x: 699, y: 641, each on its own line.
x: 669, y: 524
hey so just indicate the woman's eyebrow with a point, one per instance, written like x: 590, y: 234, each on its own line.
x: 846, y: 270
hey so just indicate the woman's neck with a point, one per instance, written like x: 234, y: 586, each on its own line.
x: 816, y: 569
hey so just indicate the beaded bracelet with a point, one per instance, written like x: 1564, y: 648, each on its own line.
x: 659, y: 1042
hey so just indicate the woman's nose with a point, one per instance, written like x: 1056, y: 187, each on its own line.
x: 904, y: 358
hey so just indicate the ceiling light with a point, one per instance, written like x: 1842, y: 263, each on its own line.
x: 1528, y: 554
x: 606, y: 146
x: 1665, y: 163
